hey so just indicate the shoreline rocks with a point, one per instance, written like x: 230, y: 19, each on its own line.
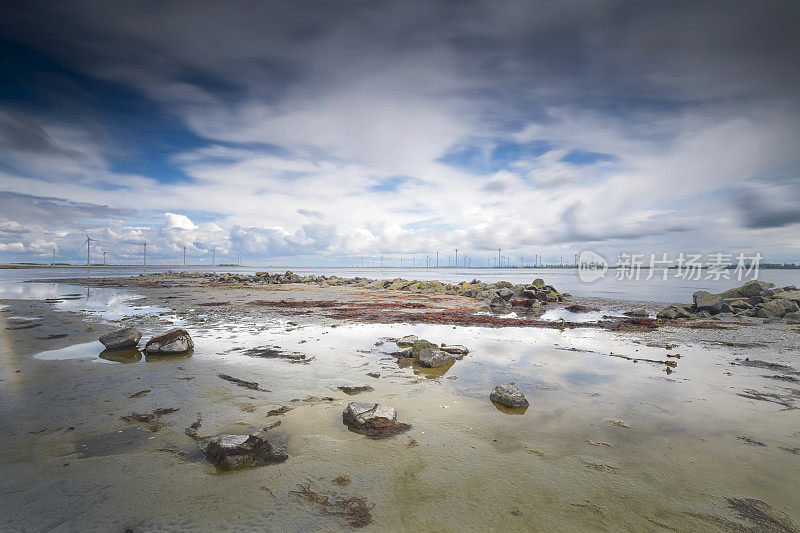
x: 753, y: 299
x: 121, y: 339
x: 173, y: 342
x: 509, y: 394
x: 498, y: 295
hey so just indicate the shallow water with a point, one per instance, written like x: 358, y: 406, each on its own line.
x: 607, y: 443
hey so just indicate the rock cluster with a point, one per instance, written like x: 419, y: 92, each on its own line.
x: 500, y: 295
x: 431, y: 355
x: 753, y: 299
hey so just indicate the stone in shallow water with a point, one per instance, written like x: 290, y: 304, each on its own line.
x: 509, y: 394
x: 455, y: 349
x: 433, y: 358
x: 355, y: 389
x: 121, y: 339
x: 236, y: 451
x: 174, y: 341
x: 359, y: 413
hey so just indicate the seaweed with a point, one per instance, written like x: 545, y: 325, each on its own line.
x: 151, y: 419
x: 252, y: 385
x: 352, y: 512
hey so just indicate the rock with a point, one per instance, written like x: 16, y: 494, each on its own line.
x: 705, y: 301
x: 504, y: 285
x: 122, y: 339
x: 637, y: 313
x: 793, y: 295
x: 408, y: 340
x: 175, y: 341
x: 754, y: 288
x: 359, y: 413
x: 355, y: 389
x: 375, y: 375
x: 236, y: 451
x: 675, y: 311
x: 509, y: 394
x: 793, y: 317
x: 432, y: 358
x: 455, y: 349
x: 538, y: 282
x: 776, y: 308
x: 421, y: 344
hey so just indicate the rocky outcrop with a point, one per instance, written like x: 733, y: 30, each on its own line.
x: 122, y: 339
x: 175, y: 341
x: 753, y: 299
x: 237, y: 451
x: 509, y: 394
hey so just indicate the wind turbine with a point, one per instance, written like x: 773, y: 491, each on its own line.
x: 88, y: 243
x: 213, y: 256
x: 144, y: 257
x: 104, y: 257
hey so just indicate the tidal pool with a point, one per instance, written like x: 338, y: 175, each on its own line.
x: 607, y: 443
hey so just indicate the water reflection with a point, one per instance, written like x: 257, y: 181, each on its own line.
x: 121, y: 356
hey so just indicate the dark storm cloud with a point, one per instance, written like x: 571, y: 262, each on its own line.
x: 619, y: 57
x: 769, y: 205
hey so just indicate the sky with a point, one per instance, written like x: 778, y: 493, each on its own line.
x: 321, y: 133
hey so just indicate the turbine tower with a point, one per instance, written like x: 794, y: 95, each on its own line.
x: 104, y: 257
x: 88, y: 243
x: 144, y: 257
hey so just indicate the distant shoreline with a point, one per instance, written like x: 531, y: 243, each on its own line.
x: 10, y: 266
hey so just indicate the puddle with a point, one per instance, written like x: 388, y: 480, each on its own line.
x: 86, y: 350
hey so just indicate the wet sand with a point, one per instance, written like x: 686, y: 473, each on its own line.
x: 609, y: 442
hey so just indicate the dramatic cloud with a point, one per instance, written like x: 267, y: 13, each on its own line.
x: 282, y: 131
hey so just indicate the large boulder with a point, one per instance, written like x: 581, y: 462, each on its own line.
x: 236, y: 451
x: 432, y: 358
x: 705, y: 301
x: 122, y: 339
x: 359, y: 413
x: 175, y: 341
x: 509, y: 394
